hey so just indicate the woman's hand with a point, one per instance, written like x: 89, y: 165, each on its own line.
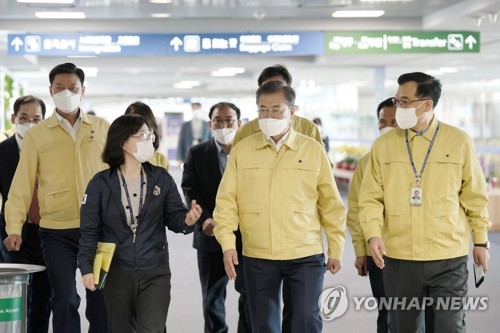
x: 88, y: 281
x: 194, y: 214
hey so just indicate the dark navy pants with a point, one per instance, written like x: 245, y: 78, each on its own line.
x: 60, y: 249
x: 302, y: 281
x: 213, y: 279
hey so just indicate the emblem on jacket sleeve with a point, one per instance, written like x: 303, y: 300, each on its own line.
x: 156, y: 190
x: 84, y: 200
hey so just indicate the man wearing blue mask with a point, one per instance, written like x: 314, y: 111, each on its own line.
x: 421, y: 242
x: 59, y: 157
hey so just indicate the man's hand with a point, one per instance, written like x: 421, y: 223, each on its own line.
x: 89, y: 281
x: 194, y: 214
x: 13, y: 242
x: 377, y: 249
x: 208, y: 227
x: 230, y: 259
x: 481, y: 256
x: 334, y: 265
x: 361, y: 264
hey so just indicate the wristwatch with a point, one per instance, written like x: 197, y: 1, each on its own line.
x: 485, y: 245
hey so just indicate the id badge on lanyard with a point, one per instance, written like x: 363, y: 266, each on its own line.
x: 417, y: 192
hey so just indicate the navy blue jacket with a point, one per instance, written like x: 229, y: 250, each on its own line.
x: 103, y: 219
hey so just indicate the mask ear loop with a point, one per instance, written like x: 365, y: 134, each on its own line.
x: 423, y: 114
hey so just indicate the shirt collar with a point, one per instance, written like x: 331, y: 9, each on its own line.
x: 80, y: 117
x: 428, y: 133
x: 219, y: 147
x: 19, y: 141
x: 289, y: 139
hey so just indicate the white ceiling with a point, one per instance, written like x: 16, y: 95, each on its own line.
x: 137, y: 77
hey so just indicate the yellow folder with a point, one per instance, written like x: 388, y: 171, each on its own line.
x: 102, y: 262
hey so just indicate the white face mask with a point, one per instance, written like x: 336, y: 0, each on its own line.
x: 407, y: 118
x: 385, y: 130
x: 273, y: 126
x: 22, y: 128
x: 145, y: 151
x: 224, y: 136
x: 66, y: 101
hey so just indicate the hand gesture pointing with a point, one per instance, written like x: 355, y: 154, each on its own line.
x: 194, y: 214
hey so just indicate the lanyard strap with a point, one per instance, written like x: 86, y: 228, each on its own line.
x: 418, y: 178
x: 133, y: 222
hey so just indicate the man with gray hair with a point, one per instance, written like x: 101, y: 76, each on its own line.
x: 279, y: 190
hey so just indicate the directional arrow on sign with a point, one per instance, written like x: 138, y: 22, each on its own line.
x: 470, y: 41
x: 176, y: 42
x: 17, y: 43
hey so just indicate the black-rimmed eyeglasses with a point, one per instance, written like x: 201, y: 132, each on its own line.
x: 404, y: 104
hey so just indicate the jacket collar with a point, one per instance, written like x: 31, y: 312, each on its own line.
x: 151, y: 174
x: 114, y: 183
x: 429, y: 133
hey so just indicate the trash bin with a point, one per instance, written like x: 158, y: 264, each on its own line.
x: 14, y: 279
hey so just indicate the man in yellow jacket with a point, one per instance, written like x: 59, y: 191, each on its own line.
x: 299, y: 124
x: 386, y: 115
x: 59, y: 157
x: 278, y: 188
x: 422, y: 242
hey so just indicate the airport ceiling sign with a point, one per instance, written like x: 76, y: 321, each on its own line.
x: 401, y: 42
x: 81, y: 44
x: 287, y: 44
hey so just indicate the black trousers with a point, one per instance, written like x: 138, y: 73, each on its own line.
x: 302, y: 281
x: 377, y: 285
x: 60, y: 248
x: 138, y: 301
x: 213, y: 279
x: 418, y: 279
x: 39, y: 291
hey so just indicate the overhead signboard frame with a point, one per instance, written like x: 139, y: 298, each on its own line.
x: 286, y: 44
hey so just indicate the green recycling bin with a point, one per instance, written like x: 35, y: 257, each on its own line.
x: 14, y: 279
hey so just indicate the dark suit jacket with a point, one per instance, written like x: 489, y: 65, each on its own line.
x: 9, y: 158
x: 186, y: 138
x: 200, y: 180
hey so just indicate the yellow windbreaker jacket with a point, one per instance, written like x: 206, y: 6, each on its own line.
x: 454, y: 195
x: 281, y: 201
x: 63, y: 169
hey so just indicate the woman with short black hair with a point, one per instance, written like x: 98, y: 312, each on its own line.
x: 130, y: 204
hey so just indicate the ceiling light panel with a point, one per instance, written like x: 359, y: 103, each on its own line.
x: 382, y: 1
x: 160, y: 15
x: 61, y: 15
x: 46, y: 1
x: 357, y: 13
